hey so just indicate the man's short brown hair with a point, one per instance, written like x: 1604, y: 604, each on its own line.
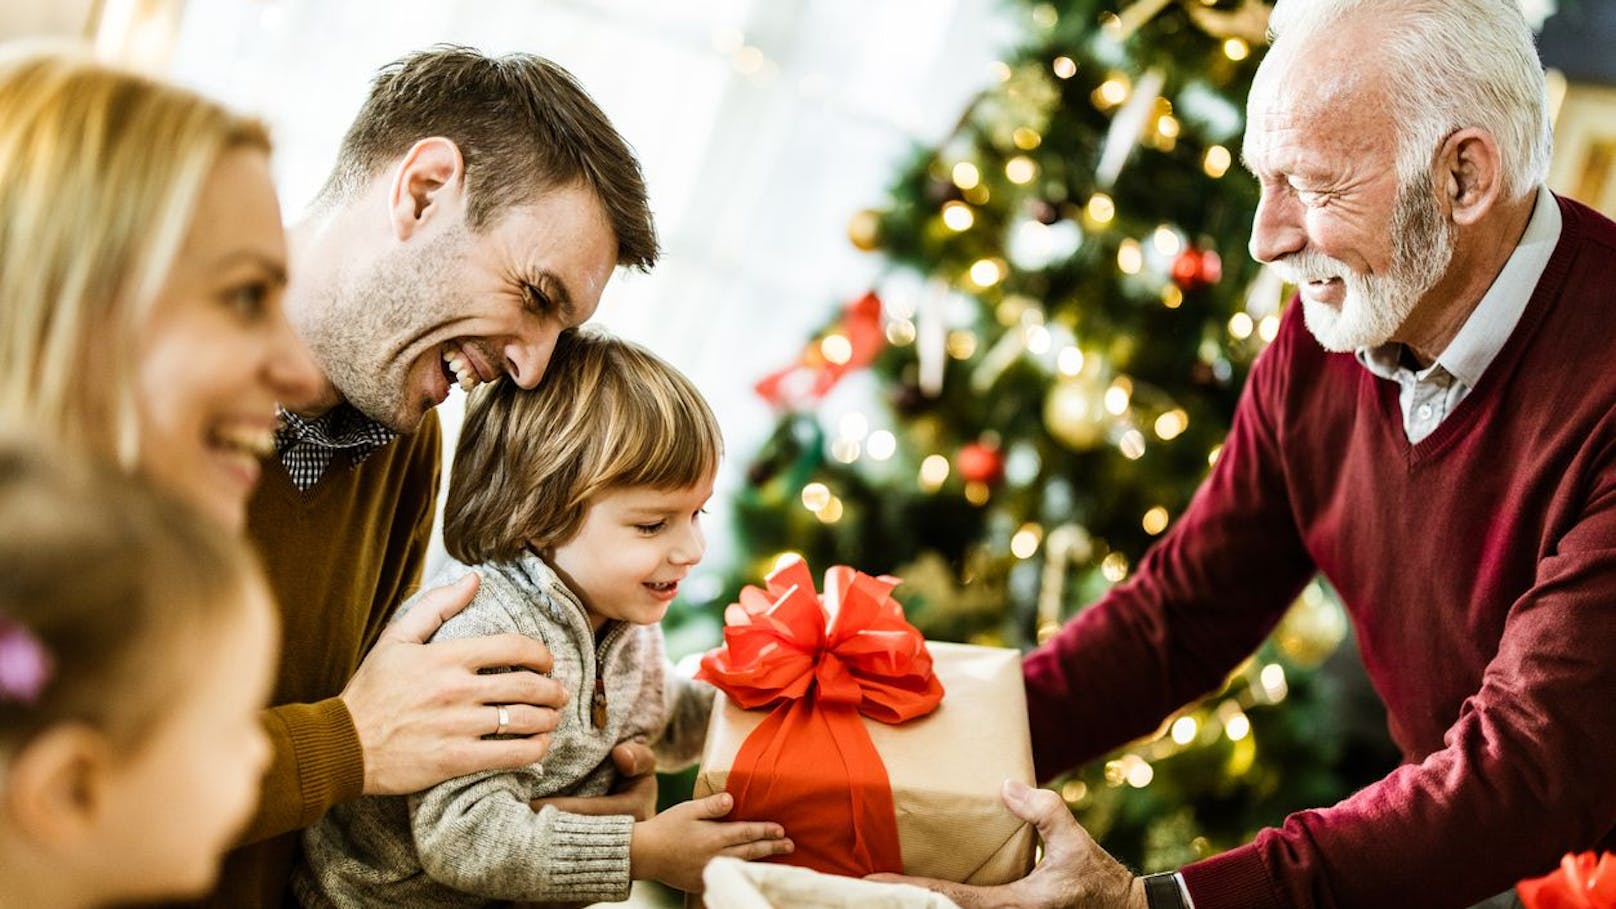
x: 523, y: 125
x: 608, y: 414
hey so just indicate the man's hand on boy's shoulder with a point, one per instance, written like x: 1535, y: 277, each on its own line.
x: 422, y: 711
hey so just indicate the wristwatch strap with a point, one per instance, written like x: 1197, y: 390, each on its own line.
x: 1161, y: 891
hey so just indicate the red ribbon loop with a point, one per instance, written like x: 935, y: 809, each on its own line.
x: 1583, y: 881
x: 811, y: 765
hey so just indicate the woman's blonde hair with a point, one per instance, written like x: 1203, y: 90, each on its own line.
x: 608, y: 414
x: 100, y: 171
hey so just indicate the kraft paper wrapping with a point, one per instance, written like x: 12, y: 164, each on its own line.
x: 946, y: 768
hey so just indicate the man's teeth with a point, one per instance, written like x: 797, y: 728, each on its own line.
x: 258, y: 441
x: 463, y: 372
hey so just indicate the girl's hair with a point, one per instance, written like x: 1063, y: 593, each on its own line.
x: 100, y: 171
x: 608, y: 414
x: 103, y: 584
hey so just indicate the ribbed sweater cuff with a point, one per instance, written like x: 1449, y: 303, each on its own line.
x: 591, y: 855
x: 1236, y: 879
x: 330, y: 761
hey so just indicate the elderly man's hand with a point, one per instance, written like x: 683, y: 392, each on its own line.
x: 634, y: 794
x: 422, y: 710
x: 1075, y: 873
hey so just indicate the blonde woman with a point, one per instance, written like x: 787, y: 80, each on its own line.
x: 142, y: 261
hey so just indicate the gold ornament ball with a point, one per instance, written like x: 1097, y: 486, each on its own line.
x: 1075, y: 414
x: 864, y: 231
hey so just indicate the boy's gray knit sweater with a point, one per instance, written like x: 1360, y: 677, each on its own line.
x: 475, y: 840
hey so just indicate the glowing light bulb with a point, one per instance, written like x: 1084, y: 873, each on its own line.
x: 881, y: 445
x: 1241, y: 326
x: 1069, y: 361
x: 1020, y: 169
x: 815, y: 496
x: 1101, y: 209
x: 958, y: 217
x: 836, y: 348
x: 1025, y: 541
x: 1130, y: 257
x: 1155, y: 520
x: 1184, y: 730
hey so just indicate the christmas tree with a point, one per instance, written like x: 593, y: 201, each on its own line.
x: 1056, y: 355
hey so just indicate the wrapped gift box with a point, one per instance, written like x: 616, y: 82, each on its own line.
x: 946, y: 769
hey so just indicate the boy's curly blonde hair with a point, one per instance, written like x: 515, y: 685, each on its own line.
x: 608, y: 414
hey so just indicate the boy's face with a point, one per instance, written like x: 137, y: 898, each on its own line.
x: 634, y: 548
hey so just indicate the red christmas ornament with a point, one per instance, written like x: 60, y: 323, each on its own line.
x: 1197, y: 268
x: 979, y: 463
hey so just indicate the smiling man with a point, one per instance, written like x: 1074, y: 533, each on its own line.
x: 477, y: 208
x: 1433, y: 430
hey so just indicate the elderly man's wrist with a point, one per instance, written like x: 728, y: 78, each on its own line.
x: 1162, y: 891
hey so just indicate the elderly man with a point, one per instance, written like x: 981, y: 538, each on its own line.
x: 1434, y: 429
x: 476, y: 210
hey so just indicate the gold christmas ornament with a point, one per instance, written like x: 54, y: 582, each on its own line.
x: 864, y: 231
x: 1075, y: 414
x: 1248, y: 22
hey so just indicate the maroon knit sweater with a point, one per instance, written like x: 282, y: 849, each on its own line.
x: 1479, y: 570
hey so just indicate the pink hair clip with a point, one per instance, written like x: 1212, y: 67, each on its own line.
x: 25, y: 666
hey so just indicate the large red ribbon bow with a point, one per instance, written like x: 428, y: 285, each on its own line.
x: 1584, y: 881
x: 810, y: 765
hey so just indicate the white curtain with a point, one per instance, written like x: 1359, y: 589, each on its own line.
x: 762, y: 125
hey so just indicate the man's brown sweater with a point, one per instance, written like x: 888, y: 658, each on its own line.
x: 339, y: 557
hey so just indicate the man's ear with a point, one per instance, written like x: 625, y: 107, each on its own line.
x: 428, y: 184
x: 1471, y: 171
x: 56, y: 786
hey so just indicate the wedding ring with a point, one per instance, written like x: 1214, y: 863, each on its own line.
x: 504, y: 718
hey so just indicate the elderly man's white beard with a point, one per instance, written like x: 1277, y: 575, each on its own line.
x: 1376, y: 306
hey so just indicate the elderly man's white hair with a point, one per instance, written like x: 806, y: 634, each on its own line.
x: 1452, y: 64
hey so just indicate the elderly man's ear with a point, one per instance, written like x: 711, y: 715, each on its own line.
x: 1470, y: 171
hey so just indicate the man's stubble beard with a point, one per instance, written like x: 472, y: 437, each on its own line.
x: 1376, y: 306
x: 367, y: 337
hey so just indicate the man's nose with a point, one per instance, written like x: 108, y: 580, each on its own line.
x: 1276, y: 230
x: 526, y: 360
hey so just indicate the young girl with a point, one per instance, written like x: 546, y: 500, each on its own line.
x: 136, y: 642
x: 578, y: 502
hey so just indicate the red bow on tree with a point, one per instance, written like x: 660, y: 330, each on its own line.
x: 814, y: 375
x: 811, y: 765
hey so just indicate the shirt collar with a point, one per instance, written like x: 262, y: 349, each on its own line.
x: 1489, y: 326
x: 342, y: 427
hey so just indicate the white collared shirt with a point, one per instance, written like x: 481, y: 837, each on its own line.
x: 1427, y: 396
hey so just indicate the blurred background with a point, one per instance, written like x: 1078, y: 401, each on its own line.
x: 966, y: 283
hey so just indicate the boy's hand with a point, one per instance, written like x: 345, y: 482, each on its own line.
x: 675, y: 845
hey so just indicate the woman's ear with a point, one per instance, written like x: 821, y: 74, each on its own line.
x: 56, y: 787
x: 428, y: 185
x: 1470, y: 169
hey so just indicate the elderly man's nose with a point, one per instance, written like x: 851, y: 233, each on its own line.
x: 1276, y: 230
